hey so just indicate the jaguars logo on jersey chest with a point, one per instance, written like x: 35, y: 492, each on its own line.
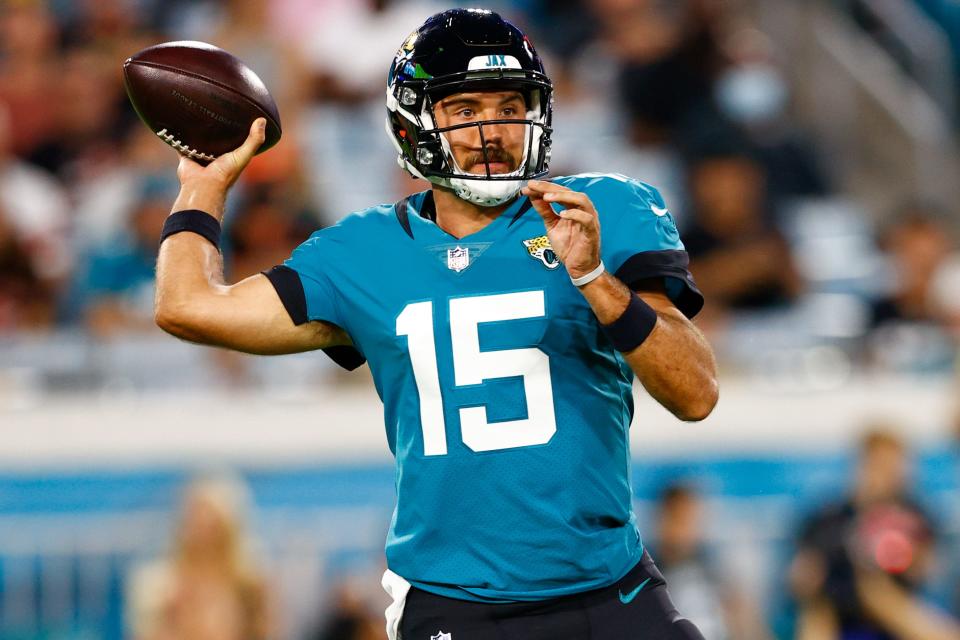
x: 539, y: 249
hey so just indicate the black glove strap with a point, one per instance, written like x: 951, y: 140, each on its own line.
x: 195, y: 221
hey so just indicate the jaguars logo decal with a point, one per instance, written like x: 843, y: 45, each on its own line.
x: 539, y: 249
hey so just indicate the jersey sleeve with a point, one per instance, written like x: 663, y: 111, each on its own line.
x: 304, y: 283
x: 640, y: 240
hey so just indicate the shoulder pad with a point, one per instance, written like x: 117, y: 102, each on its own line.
x: 609, y: 190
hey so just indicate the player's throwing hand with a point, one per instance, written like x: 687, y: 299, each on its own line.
x: 225, y: 170
x: 574, y: 231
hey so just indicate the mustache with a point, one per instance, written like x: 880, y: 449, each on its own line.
x: 492, y: 154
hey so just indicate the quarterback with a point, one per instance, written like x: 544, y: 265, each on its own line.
x: 503, y: 331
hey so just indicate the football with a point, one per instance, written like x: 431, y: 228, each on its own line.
x: 198, y: 98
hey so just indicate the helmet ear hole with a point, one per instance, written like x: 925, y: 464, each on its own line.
x: 408, y: 97
x: 429, y: 155
x: 424, y: 156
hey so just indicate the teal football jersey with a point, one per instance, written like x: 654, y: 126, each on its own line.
x: 505, y: 406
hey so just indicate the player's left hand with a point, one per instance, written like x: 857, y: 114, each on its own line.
x: 573, y: 231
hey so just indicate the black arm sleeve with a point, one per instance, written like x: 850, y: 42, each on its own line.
x: 287, y: 283
x: 670, y: 264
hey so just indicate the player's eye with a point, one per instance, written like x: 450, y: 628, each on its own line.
x: 509, y: 111
x: 465, y: 112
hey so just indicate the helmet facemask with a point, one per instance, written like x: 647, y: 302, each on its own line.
x: 488, y: 188
x: 428, y: 153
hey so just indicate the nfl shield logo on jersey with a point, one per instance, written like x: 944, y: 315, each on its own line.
x: 442, y: 636
x: 458, y: 259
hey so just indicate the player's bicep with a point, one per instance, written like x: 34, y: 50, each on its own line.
x: 249, y: 316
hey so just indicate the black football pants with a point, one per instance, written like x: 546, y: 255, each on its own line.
x: 621, y: 611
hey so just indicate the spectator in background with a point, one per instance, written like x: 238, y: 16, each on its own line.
x: 116, y: 27
x: 917, y: 243
x: 737, y: 254
x: 26, y: 301
x: 862, y: 561
x: 115, y: 291
x: 911, y: 323
x: 349, y: 75
x: 669, y: 55
x: 350, y: 619
x: 590, y: 129
x: 92, y: 116
x: 35, y: 207
x: 698, y: 588
x: 752, y: 93
x: 209, y: 588
x: 29, y: 70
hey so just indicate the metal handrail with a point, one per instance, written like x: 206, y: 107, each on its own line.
x: 926, y: 43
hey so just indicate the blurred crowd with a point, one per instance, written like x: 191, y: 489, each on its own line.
x: 689, y: 96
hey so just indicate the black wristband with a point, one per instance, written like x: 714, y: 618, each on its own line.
x: 633, y: 326
x: 195, y: 221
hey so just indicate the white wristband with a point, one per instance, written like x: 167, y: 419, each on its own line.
x: 590, y: 277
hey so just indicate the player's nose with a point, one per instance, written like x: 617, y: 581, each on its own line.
x: 493, y: 133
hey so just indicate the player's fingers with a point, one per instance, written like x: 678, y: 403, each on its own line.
x: 543, y: 186
x: 187, y: 168
x: 552, y: 193
x: 186, y: 164
x: 542, y: 207
x: 570, y: 199
x: 255, y: 138
x: 238, y: 159
x: 585, y: 219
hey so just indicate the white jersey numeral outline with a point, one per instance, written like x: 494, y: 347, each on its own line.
x: 472, y: 366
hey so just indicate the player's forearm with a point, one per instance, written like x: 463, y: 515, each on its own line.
x: 189, y: 270
x: 188, y: 265
x: 675, y: 363
x: 676, y: 366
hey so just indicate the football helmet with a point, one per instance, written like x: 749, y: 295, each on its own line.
x: 466, y: 50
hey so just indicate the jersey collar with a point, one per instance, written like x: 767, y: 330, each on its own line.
x: 424, y: 217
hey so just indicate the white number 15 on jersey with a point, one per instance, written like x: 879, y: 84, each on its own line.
x: 472, y: 366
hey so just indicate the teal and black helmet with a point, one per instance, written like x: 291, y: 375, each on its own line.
x: 464, y: 50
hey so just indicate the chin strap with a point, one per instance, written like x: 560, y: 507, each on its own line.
x: 486, y: 194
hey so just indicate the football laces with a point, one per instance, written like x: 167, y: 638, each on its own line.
x: 171, y: 140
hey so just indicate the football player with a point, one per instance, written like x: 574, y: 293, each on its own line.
x: 503, y: 318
